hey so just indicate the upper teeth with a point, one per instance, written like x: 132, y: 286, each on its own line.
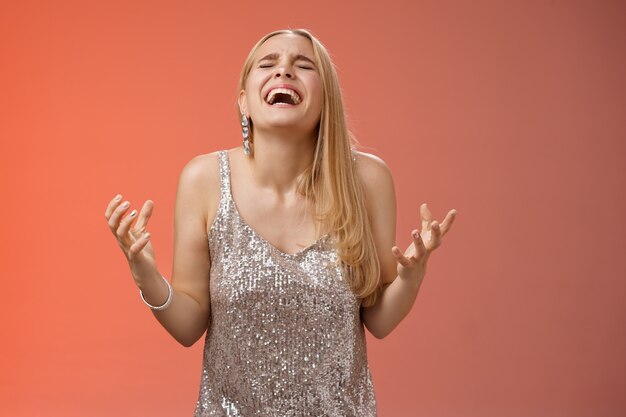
x: 272, y: 95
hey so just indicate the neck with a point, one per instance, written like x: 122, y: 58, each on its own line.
x: 279, y: 158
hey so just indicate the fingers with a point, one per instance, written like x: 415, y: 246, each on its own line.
x: 435, y: 236
x: 114, y: 218
x: 120, y: 225
x: 419, y: 251
x: 447, y: 222
x: 400, y: 258
x: 124, y: 226
x: 112, y: 206
x: 139, y: 244
x: 433, y: 229
x: 144, y: 216
x: 427, y: 217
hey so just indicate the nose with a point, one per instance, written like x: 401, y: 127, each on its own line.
x: 283, y: 71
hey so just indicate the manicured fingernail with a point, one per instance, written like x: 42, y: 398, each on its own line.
x: 416, y: 235
x: 133, y: 213
x: 126, y: 204
x: 118, y: 197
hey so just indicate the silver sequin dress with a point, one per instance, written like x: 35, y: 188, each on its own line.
x: 285, y: 337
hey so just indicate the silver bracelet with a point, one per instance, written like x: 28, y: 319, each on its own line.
x: 167, y: 302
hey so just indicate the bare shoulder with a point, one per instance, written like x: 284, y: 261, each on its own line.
x: 201, y: 169
x: 199, y: 186
x: 373, y: 171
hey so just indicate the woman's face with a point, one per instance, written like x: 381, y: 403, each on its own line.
x: 283, y: 88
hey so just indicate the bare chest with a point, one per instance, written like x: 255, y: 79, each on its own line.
x: 286, y: 223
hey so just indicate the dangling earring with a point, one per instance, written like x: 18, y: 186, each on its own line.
x: 245, y: 131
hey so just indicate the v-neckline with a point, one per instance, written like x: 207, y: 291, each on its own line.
x: 270, y: 245
x: 252, y: 230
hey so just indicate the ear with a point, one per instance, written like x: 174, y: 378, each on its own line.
x: 242, y: 102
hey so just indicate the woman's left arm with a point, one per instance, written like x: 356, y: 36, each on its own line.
x: 401, y: 273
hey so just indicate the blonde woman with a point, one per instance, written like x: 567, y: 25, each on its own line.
x: 284, y: 248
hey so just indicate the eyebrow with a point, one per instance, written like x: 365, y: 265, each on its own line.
x: 299, y: 57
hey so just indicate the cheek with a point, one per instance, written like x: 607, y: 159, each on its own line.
x: 253, y: 84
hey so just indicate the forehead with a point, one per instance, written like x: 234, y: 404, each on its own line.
x: 285, y: 44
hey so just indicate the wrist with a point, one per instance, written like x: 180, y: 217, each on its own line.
x: 411, y: 282
x: 161, y: 305
x: 147, y: 280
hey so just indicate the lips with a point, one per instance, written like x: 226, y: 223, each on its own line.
x: 283, y: 94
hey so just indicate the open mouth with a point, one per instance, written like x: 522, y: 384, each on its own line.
x: 282, y: 96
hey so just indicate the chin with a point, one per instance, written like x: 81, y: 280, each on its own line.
x: 286, y: 122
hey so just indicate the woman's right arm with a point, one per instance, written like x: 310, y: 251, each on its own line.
x: 186, y: 318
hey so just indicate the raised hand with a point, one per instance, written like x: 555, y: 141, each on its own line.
x: 412, y: 264
x: 133, y: 238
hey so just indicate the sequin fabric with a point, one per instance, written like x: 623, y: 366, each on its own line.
x: 285, y: 336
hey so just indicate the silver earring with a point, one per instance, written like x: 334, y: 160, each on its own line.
x: 245, y: 131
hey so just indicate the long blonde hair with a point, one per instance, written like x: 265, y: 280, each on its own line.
x: 332, y: 182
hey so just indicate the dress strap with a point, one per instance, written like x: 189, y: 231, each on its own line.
x: 224, y: 175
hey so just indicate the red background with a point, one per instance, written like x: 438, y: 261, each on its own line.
x: 511, y: 112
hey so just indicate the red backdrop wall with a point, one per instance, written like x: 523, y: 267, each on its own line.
x: 510, y: 112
